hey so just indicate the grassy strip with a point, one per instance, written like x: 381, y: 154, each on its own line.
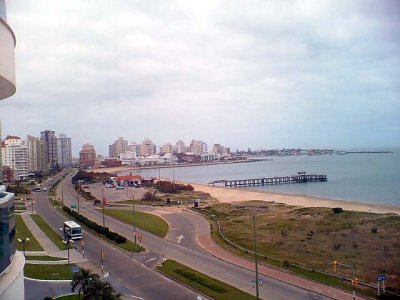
x: 145, y: 221
x: 22, y: 233
x: 128, y: 245
x: 49, y: 272
x: 211, y: 287
x: 43, y: 258
x: 51, y: 234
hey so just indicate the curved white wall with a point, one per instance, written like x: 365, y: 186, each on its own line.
x: 12, y: 279
x: 7, y: 60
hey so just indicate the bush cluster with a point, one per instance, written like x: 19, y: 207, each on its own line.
x: 200, y: 280
x: 119, y: 239
x: 171, y: 187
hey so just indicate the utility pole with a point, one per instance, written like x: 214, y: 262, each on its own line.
x: 62, y: 192
x: 133, y: 216
x: 102, y: 200
x: 255, y: 255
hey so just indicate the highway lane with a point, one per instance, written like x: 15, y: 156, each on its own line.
x: 129, y: 275
x: 193, y: 256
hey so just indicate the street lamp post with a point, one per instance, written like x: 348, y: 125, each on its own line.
x: 23, y: 241
x: 67, y: 242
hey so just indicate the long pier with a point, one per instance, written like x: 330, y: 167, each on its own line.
x: 301, y: 177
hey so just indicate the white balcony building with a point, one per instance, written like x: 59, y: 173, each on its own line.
x: 7, y: 55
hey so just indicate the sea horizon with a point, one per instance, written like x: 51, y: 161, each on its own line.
x: 365, y: 177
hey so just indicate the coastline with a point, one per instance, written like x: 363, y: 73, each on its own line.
x: 230, y: 195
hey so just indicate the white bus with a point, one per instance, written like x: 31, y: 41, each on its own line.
x: 72, y: 230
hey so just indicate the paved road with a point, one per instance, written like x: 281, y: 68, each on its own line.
x: 126, y: 274
x: 190, y: 254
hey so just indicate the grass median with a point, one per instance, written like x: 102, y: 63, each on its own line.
x: 51, y: 234
x: 44, y: 258
x: 206, y: 285
x: 23, y: 232
x: 147, y: 222
x: 49, y: 272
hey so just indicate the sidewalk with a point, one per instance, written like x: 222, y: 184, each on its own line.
x: 205, y: 241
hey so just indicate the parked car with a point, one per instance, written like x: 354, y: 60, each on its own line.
x: 119, y: 187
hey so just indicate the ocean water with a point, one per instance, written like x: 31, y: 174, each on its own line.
x: 369, y: 177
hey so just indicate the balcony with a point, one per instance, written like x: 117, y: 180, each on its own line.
x: 7, y: 60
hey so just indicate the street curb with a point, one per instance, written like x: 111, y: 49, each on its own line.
x: 47, y: 280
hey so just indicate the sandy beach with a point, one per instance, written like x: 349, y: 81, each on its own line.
x: 229, y: 195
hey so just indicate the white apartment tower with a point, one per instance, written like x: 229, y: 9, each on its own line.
x: 198, y: 147
x: 180, y: 147
x: 37, y: 154
x: 118, y: 147
x: 147, y: 148
x: 16, y: 156
x: 11, y: 261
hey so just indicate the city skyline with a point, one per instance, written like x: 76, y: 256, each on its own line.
x: 262, y: 75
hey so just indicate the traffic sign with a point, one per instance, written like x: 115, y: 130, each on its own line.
x: 75, y: 269
x: 381, y: 278
x: 253, y: 283
x: 260, y: 282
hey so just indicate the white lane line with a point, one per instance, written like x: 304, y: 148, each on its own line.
x: 151, y: 259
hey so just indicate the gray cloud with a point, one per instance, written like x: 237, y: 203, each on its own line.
x: 243, y: 73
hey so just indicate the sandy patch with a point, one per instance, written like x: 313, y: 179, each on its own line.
x: 228, y: 195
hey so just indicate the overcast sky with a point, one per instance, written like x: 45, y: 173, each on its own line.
x: 268, y: 74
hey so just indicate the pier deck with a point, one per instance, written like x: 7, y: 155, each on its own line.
x: 301, y: 177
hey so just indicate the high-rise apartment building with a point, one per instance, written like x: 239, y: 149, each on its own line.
x: 135, y: 147
x: 64, y: 151
x: 118, y: 147
x: 49, y: 137
x: 198, y: 147
x: 180, y: 147
x: 15, y: 154
x: 11, y: 261
x: 148, y: 148
x: 37, y: 154
x: 87, y: 156
x: 166, y: 149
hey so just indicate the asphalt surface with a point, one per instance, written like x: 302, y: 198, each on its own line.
x: 125, y: 273
x: 187, y: 252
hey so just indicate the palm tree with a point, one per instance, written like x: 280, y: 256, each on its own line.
x: 81, y: 280
x: 92, y: 288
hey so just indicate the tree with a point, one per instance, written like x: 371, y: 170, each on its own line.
x: 81, y: 280
x: 92, y: 288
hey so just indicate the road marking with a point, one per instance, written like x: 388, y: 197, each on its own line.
x: 179, y: 238
x: 106, y: 275
x: 151, y: 259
